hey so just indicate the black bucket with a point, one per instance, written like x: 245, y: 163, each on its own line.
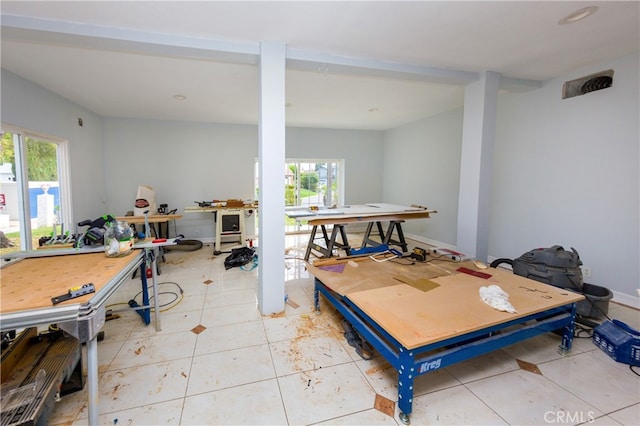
x: 596, y: 305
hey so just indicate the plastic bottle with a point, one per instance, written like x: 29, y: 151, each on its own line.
x: 118, y: 239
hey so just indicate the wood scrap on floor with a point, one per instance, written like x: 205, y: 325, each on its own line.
x: 292, y: 303
x: 385, y: 405
x: 528, y: 366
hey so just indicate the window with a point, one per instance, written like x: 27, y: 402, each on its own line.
x: 312, y: 183
x: 35, y: 198
x: 309, y: 183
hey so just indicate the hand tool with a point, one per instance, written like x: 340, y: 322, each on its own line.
x: 74, y: 292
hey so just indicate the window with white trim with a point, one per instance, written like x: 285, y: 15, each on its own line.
x: 35, y: 200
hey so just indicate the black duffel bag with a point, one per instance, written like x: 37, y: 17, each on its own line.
x: 238, y: 257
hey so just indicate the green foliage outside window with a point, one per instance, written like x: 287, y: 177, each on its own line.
x: 42, y: 161
x: 309, y: 180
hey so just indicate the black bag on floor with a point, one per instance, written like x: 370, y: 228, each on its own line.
x: 238, y: 257
x: 553, y: 265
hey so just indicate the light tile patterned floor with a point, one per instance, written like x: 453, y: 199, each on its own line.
x: 296, y: 368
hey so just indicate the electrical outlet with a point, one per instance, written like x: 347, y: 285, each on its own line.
x: 586, y: 272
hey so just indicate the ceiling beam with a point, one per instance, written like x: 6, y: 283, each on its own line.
x: 79, y: 35
x: 327, y: 63
x: 21, y: 28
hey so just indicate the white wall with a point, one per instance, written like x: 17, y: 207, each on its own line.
x: 422, y: 166
x: 566, y: 172
x: 184, y: 162
x: 32, y: 107
x: 362, y: 150
x: 187, y: 162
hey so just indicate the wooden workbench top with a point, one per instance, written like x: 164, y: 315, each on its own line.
x: 31, y: 283
x: 153, y: 218
x: 210, y: 209
x: 367, y: 217
x: 450, y: 308
x: 376, y: 212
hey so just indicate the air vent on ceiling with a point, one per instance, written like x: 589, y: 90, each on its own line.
x: 587, y: 84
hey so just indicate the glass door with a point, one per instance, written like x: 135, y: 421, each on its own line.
x: 34, y: 192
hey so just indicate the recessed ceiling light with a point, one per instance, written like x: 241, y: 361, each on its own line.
x: 578, y: 15
x: 179, y: 97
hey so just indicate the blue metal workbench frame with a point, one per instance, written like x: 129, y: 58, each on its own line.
x: 411, y: 363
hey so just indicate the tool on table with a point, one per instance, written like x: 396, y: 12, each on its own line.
x: 478, y: 274
x: 419, y: 254
x: 95, y: 231
x: 455, y: 256
x: 480, y: 264
x: 74, y: 292
x: 385, y: 255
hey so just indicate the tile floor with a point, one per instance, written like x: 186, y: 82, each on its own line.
x: 217, y: 361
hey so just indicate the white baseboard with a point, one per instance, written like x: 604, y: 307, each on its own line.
x: 626, y: 299
x: 429, y: 241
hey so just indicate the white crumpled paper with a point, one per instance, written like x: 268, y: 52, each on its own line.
x: 497, y: 298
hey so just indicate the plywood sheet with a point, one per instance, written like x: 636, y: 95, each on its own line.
x: 416, y: 318
x: 368, y: 274
x: 31, y: 283
x: 526, y: 295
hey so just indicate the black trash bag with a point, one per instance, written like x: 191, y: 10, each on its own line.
x: 238, y: 257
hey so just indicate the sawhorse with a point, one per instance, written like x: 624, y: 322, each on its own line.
x: 330, y: 242
x: 386, y: 238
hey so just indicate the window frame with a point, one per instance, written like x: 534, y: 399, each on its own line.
x: 20, y: 136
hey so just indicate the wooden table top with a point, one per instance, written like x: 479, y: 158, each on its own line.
x: 375, y: 212
x: 391, y: 294
x: 153, y: 218
x: 210, y: 209
x: 31, y: 283
x: 380, y: 217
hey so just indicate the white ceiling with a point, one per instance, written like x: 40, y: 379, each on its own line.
x: 128, y: 59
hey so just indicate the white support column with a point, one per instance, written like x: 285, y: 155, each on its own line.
x: 271, y: 161
x: 478, y: 134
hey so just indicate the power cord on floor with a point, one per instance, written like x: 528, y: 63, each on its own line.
x: 177, y: 297
x: 582, y: 332
x: 407, y: 262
